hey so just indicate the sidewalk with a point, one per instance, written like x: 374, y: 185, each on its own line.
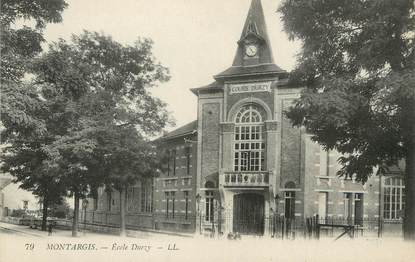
x: 26, y: 231
x: 21, y: 230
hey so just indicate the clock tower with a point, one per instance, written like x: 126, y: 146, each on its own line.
x: 238, y: 129
x: 253, y: 54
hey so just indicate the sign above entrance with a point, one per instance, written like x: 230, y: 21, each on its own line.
x: 250, y: 87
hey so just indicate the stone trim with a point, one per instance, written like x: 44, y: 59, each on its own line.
x: 227, y: 127
x: 249, y: 100
x: 271, y: 125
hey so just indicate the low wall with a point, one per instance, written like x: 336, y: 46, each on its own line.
x: 133, y: 220
x: 390, y: 228
x: 17, y: 220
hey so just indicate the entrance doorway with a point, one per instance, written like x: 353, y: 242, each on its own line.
x: 248, y: 214
x: 358, y: 209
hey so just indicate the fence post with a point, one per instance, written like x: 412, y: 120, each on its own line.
x: 273, y: 225
x: 317, y: 227
x: 200, y: 223
x: 220, y: 221
x: 212, y: 234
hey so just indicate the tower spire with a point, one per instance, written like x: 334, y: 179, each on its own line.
x: 254, y: 31
x: 254, y: 54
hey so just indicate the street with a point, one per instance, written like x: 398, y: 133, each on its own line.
x: 20, y: 243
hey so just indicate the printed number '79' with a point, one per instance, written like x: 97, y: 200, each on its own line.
x: 30, y: 246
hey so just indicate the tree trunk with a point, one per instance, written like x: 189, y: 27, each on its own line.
x: 409, y: 215
x: 75, y: 220
x: 44, y: 213
x: 122, y: 211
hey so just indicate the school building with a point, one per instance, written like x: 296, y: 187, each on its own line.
x: 242, y: 162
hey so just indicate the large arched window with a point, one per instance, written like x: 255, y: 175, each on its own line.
x: 249, y: 145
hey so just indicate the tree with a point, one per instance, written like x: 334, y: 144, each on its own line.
x: 131, y: 158
x: 27, y: 120
x: 19, y: 102
x: 20, y: 44
x: 97, y: 87
x: 357, y: 65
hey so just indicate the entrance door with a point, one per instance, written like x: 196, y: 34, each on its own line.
x: 248, y: 214
x: 358, y: 209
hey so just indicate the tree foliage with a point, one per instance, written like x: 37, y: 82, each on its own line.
x: 22, y: 111
x: 97, y: 112
x: 357, y: 65
x: 101, y: 90
x: 20, y: 43
x: 357, y: 62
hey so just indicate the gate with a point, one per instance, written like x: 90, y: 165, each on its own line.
x: 248, y: 214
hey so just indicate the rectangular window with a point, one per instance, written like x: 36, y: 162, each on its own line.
x: 289, y: 204
x: 168, y: 162
x: 173, y: 200
x: 186, y: 204
x: 149, y: 205
x: 167, y: 197
x: 146, y: 196
x: 209, y: 206
x: 324, y: 162
x: 236, y: 161
x: 249, y: 148
x: 187, y: 152
x: 322, y: 205
x: 358, y: 209
x: 174, y: 162
x: 186, y: 181
x: 347, y: 201
x: 393, y: 198
x: 170, y: 204
x: 25, y: 204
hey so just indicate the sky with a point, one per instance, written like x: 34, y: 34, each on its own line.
x: 195, y: 39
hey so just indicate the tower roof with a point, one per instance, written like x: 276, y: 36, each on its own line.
x: 254, y: 32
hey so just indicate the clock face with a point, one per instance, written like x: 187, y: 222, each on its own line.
x: 251, y: 50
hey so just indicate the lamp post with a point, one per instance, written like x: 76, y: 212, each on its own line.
x: 198, y: 212
x: 84, y: 206
x: 276, y: 199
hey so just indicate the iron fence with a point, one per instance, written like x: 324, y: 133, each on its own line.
x: 277, y: 226
x: 223, y: 222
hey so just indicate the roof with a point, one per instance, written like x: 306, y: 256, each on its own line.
x: 187, y: 129
x: 263, y: 69
x: 4, y: 181
x: 212, y: 86
x: 392, y: 169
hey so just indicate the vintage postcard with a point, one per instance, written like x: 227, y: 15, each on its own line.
x: 238, y: 130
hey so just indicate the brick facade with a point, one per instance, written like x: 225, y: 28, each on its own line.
x: 226, y: 181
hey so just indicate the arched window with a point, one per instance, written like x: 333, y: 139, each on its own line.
x: 249, y: 145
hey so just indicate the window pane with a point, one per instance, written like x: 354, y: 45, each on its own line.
x: 251, y: 159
